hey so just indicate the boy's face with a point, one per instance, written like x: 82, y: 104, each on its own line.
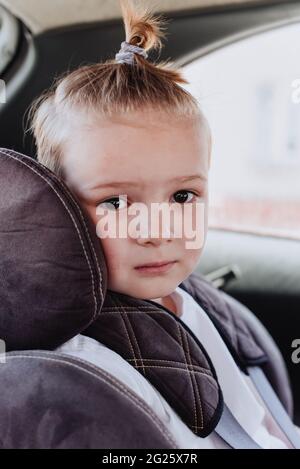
x: 142, y: 157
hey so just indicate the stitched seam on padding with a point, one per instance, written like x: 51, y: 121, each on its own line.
x: 193, y: 377
x: 193, y: 392
x: 176, y: 368
x: 126, y: 331
x: 196, y: 384
x: 116, y: 301
x: 204, y: 370
x: 136, y: 342
x: 184, y: 364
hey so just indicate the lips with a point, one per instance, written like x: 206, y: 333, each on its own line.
x: 154, y: 264
x: 155, y: 268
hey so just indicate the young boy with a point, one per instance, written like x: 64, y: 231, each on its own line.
x: 124, y: 133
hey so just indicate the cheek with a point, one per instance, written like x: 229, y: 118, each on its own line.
x: 113, y: 248
x: 192, y: 255
x: 194, y: 236
x: 194, y: 226
x: 114, y: 252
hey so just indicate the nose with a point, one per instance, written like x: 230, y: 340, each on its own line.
x: 155, y: 232
x: 151, y: 240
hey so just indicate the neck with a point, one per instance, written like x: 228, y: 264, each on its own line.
x: 168, y: 303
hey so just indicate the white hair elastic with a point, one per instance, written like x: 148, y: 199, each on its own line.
x: 127, y: 51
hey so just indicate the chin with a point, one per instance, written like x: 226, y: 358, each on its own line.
x: 150, y: 292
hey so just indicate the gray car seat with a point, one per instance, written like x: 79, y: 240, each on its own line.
x: 53, y: 286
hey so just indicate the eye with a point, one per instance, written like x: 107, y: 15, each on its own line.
x: 182, y: 197
x: 113, y: 203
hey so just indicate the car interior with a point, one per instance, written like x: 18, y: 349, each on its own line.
x: 40, y: 41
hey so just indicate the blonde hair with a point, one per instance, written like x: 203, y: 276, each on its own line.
x: 111, y: 88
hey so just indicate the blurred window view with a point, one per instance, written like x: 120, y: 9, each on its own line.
x: 250, y: 93
x: 9, y: 35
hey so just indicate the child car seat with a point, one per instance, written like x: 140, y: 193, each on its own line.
x: 53, y: 286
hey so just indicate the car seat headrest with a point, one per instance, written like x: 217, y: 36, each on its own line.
x: 53, y: 275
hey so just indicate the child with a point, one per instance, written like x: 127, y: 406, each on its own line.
x: 125, y: 132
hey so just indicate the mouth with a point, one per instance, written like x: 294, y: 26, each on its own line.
x: 156, y: 267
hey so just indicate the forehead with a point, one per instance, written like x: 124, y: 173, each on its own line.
x: 143, y: 146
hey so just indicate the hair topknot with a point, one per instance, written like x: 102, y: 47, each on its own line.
x: 110, y: 88
x: 142, y: 28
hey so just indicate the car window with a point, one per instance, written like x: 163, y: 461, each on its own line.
x: 9, y: 35
x: 250, y: 93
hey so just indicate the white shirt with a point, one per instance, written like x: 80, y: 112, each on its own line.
x: 238, y: 390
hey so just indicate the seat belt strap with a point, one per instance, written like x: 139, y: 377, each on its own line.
x: 274, y: 405
x: 233, y: 433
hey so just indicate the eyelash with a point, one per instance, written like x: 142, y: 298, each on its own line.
x: 178, y: 192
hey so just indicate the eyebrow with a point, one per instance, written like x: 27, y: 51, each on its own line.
x: 132, y: 183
